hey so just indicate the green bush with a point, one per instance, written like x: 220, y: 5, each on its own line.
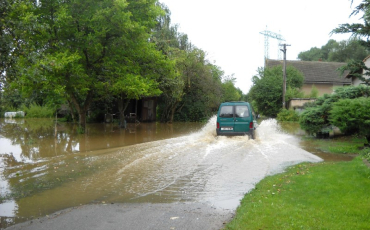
x: 316, y: 116
x: 293, y: 93
x: 365, y: 153
x: 267, y: 89
x: 287, y: 115
x: 314, y: 92
x: 312, y: 120
x: 352, y: 116
x: 37, y: 111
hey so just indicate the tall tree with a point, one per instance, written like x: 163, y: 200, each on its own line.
x: 314, y: 54
x: 334, y: 51
x: 78, y: 48
x: 230, y: 93
x: 174, y: 45
x: 203, y: 91
x: 362, y: 32
x: 9, y: 38
x: 267, y: 88
x: 197, y: 90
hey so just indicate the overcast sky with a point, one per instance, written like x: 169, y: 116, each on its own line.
x: 229, y: 31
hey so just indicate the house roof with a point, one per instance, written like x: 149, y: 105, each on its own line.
x: 316, y: 71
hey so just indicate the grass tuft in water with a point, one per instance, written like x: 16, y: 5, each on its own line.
x: 339, y: 145
x: 309, y: 196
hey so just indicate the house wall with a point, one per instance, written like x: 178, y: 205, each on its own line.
x: 322, y: 88
x: 299, y: 102
x: 357, y: 81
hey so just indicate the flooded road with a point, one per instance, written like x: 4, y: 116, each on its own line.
x: 46, y: 167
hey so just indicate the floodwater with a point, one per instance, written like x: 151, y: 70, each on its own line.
x: 46, y: 166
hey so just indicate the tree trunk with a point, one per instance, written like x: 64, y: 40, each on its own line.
x: 82, y: 119
x: 82, y: 110
x: 122, y: 106
x: 173, y: 109
x: 71, y: 109
x: 169, y: 112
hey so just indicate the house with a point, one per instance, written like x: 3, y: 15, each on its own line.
x: 297, y: 104
x: 323, y: 75
x: 355, y: 80
x: 143, y: 110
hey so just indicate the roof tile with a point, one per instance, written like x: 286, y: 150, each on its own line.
x: 316, y: 71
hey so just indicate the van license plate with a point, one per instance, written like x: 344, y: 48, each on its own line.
x: 227, y: 128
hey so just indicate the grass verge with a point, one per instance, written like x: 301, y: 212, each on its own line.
x: 329, y: 195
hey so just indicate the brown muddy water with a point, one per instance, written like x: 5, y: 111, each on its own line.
x: 47, y: 166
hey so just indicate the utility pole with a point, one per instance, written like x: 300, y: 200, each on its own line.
x: 284, y: 72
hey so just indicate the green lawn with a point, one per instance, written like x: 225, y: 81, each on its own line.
x: 309, y: 196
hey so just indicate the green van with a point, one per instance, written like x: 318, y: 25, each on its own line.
x: 236, y: 118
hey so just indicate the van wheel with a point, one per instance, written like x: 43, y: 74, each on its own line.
x: 253, y: 135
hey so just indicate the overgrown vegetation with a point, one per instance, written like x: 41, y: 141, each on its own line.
x: 309, y: 196
x: 334, y: 51
x: 338, y: 144
x: 316, y: 116
x: 365, y: 153
x: 352, y: 116
x: 98, y: 59
x: 361, y: 31
x: 287, y: 115
x: 267, y: 89
x: 37, y: 111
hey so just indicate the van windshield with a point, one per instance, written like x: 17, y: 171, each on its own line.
x: 226, y: 111
x: 241, y: 111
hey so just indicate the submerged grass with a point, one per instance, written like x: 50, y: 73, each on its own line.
x: 329, y: 195
x: 340, y: 145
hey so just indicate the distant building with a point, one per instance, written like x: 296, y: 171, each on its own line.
x: 143, y: 110
x: 323, y: 75
x: 355, y: 80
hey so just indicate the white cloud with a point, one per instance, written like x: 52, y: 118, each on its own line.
x: 229, y: 31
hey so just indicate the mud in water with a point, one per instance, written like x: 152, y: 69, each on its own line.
x: 47, y: 167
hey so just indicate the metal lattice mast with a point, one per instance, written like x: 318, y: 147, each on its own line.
x: 269, y: 34
x: 267, y: 45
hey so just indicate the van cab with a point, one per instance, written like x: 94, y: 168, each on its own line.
x: 236, y: 118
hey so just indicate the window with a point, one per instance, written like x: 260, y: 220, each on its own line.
x: 241, y: 111
x: 226, y: 111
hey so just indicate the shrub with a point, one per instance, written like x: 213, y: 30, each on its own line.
x: 312, y: 120
x: 365, y: 153
x: 314, y: 92
x: 352, y: 116
x: 316, y: 116
x: 287, y: 115
x: 37, y: 111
